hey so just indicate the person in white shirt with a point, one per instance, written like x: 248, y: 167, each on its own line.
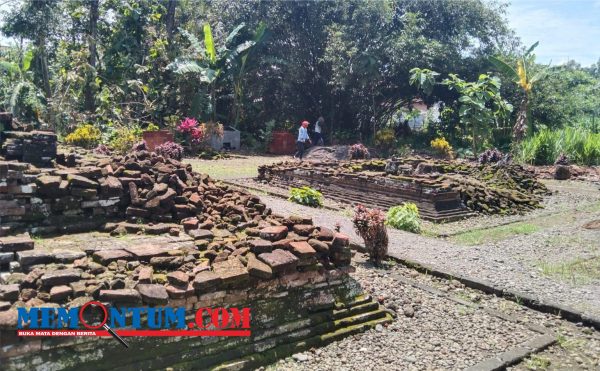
x: 302, y: 139
x: 318, y: 137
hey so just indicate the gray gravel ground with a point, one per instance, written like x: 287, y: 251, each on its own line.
x: 555, y: 259
x: 538, y: 263
x: 429, y: 333
x: 435, y: 333
x: 577, y: 348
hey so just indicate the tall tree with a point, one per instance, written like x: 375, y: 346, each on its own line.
x: 35, y: 20
x: 89, y: 90
x: 170, y: 21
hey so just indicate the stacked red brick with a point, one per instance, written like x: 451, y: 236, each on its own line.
x: 237, y: 243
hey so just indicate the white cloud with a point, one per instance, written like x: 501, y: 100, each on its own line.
x: 566, y: 30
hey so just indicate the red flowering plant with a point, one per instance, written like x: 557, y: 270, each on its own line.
x: 194, y: 132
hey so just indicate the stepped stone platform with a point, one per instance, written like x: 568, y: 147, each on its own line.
x: 436, y: 200
x: 442, y: 190
x: 293, y: 307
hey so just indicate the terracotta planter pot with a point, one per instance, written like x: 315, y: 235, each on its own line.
x: 154, y: 139
x: 282, y: 143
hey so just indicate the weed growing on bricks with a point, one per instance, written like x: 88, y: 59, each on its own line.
x: 370, y: 225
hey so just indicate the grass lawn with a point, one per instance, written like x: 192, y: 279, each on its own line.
x: 484, y: 235
x: 481, y: 236
x: 577, y: 271
x: 240, y: 167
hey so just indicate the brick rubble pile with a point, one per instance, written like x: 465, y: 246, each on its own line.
x: 238, y: 242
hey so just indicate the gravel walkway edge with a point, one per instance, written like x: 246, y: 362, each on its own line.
x: 542, y: 305
x: 566, y: 312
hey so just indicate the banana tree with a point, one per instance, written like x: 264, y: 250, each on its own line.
x: 525, y: 78
x: 24, y: 99
x: 210, y: 64
x: 259, y: 36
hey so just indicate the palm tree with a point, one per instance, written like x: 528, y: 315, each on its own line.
x: 523, y: 76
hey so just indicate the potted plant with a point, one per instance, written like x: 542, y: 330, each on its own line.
x: 283, y: 141
x: 155, y: 137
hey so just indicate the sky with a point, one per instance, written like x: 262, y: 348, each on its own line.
x: 566, y: 29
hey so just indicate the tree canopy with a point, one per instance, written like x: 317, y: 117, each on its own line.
x: 245, y: 63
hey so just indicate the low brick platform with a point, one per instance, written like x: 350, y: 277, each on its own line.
x: 341, y: 181
x: 442, y: 190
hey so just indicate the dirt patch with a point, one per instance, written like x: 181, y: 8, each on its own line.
x: 327, y: 153
x: 594, y: 224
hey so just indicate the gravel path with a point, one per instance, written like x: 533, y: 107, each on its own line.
x: 577, y: 347
x: 528, y: 263
x: 429, y: 333
x: 432, y: 332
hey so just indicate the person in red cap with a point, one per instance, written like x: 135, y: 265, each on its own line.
x: 302, y: 139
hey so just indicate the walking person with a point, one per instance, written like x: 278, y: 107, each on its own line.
x: 302, y: 139
x: 318, y: 127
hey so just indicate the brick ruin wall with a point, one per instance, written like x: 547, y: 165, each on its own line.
x: 35, y: 147
x: 339, y: 181
x: 237, y: 252
x: 56, y: 200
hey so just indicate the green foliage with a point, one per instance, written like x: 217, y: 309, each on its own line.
x: 385, y: 139
x: 87, y: 136
x: 124, y: 138
x: 481, y: 106
x: 525, y: 76
x: 18, y: 92
x: 211, y: 65
x: 152, y: 127
x: 423, y: 79
x: 306, y: 196
x: 579, y: 145
x: 134, y: 62
x: 265, y: 135
x: 567, y: 94
x: 404, y: 217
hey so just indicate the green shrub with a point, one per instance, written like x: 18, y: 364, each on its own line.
x: 152, y: 127
x: 579, y: 145
x: 405, y: 217
x: 306, y: 196
x: 125, y: 138
x: 385, y: 139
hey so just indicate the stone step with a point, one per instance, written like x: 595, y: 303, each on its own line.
x: 359, y: 300
x: 302, y: 340
x: 258, y: 359
x: 247, y: 353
